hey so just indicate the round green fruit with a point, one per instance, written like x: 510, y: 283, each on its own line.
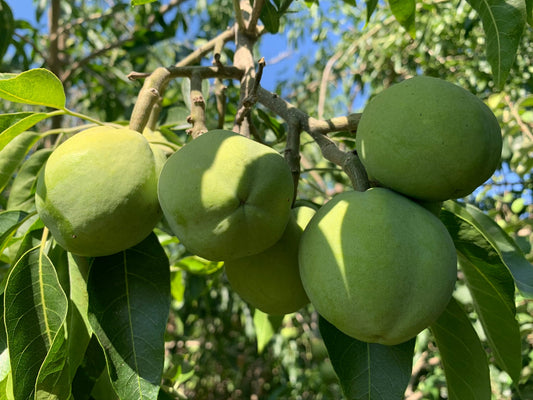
x: 98, y: 191
x: 270, y: 280
x: 429, y: 139
x: 226, y: 196
x: 378, y: 266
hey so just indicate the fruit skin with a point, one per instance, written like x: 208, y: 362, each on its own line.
x: 429, y: 139
x: 377, y: 266
x: 98, y: 191
x: 226, y: 196
x: 270, y: 280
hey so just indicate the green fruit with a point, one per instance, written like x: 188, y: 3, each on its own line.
x: 429, y: 139
x: 98, y: 191
x: 226, y: 196
x: 270, y: 280
x: 377, y: 266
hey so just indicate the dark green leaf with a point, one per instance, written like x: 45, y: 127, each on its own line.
x: 368, y: 370
x: 35, y: 311
x: 22, y: 193
x: 7, y: 27
x: 529, y: 11
x: 9, y: 223
x: 129, y: 301
x: 89, y: 371
x: 492, y: 289
x: 12, y: 155
x: 503, y: 23
x: 464, y: 360
x: 270, y: 17
x: 350, y: 2
x: 370, y: 8
x: 37, y: 86
x: 404, y: 11
x: 498, y: 241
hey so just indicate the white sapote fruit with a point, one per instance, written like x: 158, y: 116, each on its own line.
x: 226, y: 196
x: 429, y: 139
x: 270, y: 280
x: 97, y: 193
x: 377, y: 266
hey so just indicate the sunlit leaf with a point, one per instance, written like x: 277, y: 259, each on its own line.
x: 35, y: 310
x: 37, y: 87
x: 129, y: 302
x: 21, y: 125
x: 140, y: 2
x: 404, y: 11
x: 199, y: 266
x: 265, y: 328
x: 503, y: 23
x: 463, y: 357
x: 368, y: 370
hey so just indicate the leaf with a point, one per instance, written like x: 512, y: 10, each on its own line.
x: 129, y: 302
x: 270, y: 17
x: 368, y: 370
x: 460, y: 350
x: 497, y: 241
x: 199, y: 266
x: 141, y: 2
x: 7, y: 27
x: 9, y: 223
x: 21, y: 125
x: 89, y: 371
x: 37, y: 87
x: 503, y: 24
x: 35, y: 309
x: 370, y: 8
x: 12, y: 155
x: 529, y: 12
x: 404, y: 11
x: 22, y: 192
x: 492, y: 289
x: 265, y: 328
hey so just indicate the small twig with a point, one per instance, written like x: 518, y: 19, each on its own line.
x: 238, y: 15
x: 249, y: 101
x: 197, y: 117
x: 292, y: 154
x: 147, y: 102
x: 224, y: 37
x: 256, y: 13
x: 220, y: 97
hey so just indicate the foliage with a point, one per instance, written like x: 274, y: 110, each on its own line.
x: 81, y: 328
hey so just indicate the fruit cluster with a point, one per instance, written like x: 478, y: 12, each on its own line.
x: 377, y: 264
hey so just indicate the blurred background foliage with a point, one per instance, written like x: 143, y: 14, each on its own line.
x: 328, y: 61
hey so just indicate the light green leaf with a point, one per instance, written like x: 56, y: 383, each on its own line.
x: 35, y: 308
x: 199, y: 266
x: 141, y: 2
x: 498, y: 241
x: 265, y: 328
x: 129, y: 302
x: 21, y: 125
x: 12, y: 155
x: 464, y: 360
x: 22, y: 192
x: 404, y: 11
x: 177, y: 288
x: 492, y: 288
x: 36, y: 86
x: 368, y: 370
x: 503, y: 23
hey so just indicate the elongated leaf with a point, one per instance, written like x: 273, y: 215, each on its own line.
x: 37, y: 86
x: 54, y: 381
x: 20, y: 126
x: 529, y: 11
x: 35, y: 309
x: 12, y: 155
x: 404, y: 11
x: 129, y: 301
x: 9, y: 223
x: 265, y: 328
x: 503, y: 23
x: 370, y: 8
x: 368, y: 370
x: 89, y: 371
x: 508, y: 251
x: 8, y: 119
x: 465, y: 362
x: 492, y: 288
x: 22, y: 193
x: 140, y: 2
x: 270, y: 17
x: 7, y: 27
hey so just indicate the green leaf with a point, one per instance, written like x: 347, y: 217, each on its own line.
x: 22, y: 192
x: 141, y: 2
x: 270, y: 17
x: 12, y: 155
x: 9, y: 223
x: 7, y: 27
x: 199, y: 266
x: 404, y: 11
x: 497, y: 241
x: 492, y: 289
x: 503, y: 23
x: 89, y: 371
x: 370, y: 8
x: 368, y: 370
x: 463, y: 358
x: 265, y: 328
x: 35, y: 308
x: 529, y: 12
x: 129, y: 302
x: 21, y: 125
x: 37, y: 87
